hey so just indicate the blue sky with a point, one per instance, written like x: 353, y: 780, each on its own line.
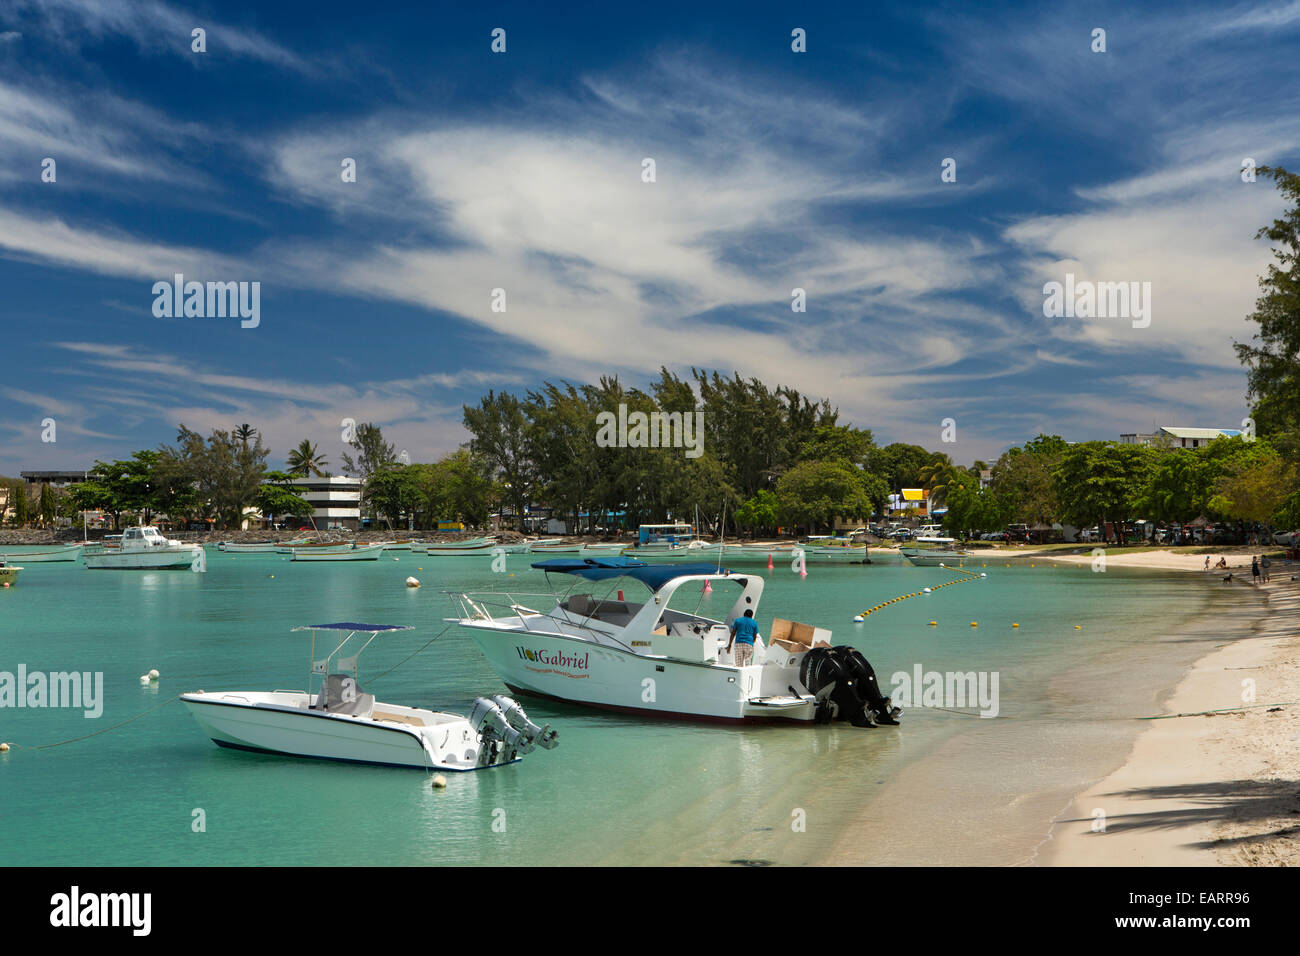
x: 522, y: 171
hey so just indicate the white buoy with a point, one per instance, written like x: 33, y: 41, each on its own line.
x: 858, y: 619
x: 412, y: 582
x: 144, y: 678
x: 4, y: 748
x: 983, y: 575
x: 153, y: 674
x: 925, y: 590
x: 439, y: 781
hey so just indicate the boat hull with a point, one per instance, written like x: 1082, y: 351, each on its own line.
x: 932, y: 559
x: 358, y: 554
x: 68, y: 553
x: 153, y: 559
x: 579, y: 672
x: 242, y: 722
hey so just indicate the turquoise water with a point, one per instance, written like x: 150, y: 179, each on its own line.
x: 616, y: 790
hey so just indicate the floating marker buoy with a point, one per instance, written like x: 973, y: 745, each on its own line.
x: 983, y: 575
x: 412, y: 582
x: 620, y: 594
x: 858, y: 618
x: 144, y: 678
x: 1078, y: 627
x: 934, y: 623
x: 397, y: 559
x: 1014, y: 624
x: 438, y: 782
x: 974, y: 624
x: 927, y: 590
x: 707, y: 589
x: 4, y: 748
x: 421, y: 569
x: 153, y: 674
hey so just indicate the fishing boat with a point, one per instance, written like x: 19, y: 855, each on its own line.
x: 293, y: 547
x: 66, y: 552
x: 369, y: 552
x: 931, y: 552
x: 459, y: 549
x: 555, y: 547
x: 339, y: 721
x: 8, y: 574
x: 661, y: 656
x: 606, y: 548
x: 257, y: 547
x: 146, y: 549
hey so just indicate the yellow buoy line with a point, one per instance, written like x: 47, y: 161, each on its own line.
x: 903, y: 597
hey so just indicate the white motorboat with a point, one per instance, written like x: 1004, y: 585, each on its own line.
x: 145, y: 549
x: 651, y: 657
x: 364, y: 553
x: 341, y: 722
x: 931, y: 552
x: 66, y: 552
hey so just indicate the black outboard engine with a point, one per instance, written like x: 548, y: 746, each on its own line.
x: 845, y: 683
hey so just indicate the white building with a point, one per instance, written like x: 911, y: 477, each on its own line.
x: 336, y: 501
x: 1175, y: 436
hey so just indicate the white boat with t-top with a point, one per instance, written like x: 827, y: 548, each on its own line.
x: 145, y: 549
x: 660, y: 656
x: 64, y: 552
x: 342, y: 722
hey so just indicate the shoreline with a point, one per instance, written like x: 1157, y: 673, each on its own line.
x: 1205, y: 789
x: 1181, y: 791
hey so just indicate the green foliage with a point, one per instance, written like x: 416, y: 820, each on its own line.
x: 306, y: 460
x: 813, y: 493
x: 280, y: 498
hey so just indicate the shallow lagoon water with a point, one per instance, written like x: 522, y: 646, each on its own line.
x: 617, y: 790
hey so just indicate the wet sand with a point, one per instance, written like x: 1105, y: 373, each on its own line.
x: 1179, y: 791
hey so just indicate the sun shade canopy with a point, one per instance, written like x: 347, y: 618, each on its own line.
x: 653, y: 576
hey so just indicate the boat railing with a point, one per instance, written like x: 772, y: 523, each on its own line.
x: 477, y: 605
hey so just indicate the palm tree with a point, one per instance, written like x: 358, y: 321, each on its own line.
x: 244, y: 432
x: 936, y: 477
x: 304, y: 460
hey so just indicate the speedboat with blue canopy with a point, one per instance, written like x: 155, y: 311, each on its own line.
x: 669, y: 654
x: 337, y: 720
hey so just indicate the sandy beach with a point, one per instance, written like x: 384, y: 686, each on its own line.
x: 1215, y: 781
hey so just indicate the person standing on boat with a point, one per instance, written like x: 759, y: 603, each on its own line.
x: 743, y: 633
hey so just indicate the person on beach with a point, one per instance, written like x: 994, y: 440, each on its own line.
x: 1223, y: 563
x: 1254, y: 570
x: 743, y: 632
x: 1264, y: 564
x: 1207, y: 562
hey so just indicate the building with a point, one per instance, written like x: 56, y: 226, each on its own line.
x: 55, y: 479
x: 914, y: 500
x: 1176, y: 436
x: 336, y: 501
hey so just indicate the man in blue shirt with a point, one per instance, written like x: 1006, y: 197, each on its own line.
x: 743, y: 632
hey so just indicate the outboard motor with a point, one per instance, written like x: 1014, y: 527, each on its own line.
x: 487, y: 719
x: 845, y: 684
x: 518, y: 719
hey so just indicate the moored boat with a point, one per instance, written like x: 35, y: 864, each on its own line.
x: 342, y: 722
x: 363, y: 553
x: 654, y: 658
x: 145, y: 549
x: 66, y: 552
x: 931, y: 552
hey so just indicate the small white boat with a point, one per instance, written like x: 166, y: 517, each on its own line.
x: 8, y: 574
x: 342, y: 722
x: 66, y: 552
x: 249, y: 547
x: 460, y: 549
x: 659, y: 656
x: 364, y: 553
x: 557, y: 547
x: 931, y: 552
x: 145, y: 549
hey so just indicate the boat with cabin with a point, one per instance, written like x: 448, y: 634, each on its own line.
x: 146, y: 549
x: 662, y: 656
x: 339, y: 721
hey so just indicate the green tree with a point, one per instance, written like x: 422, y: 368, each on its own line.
x: 277, y: 496
x: 814, y: 493
x: 501, y: 437
x: 1272, y: 357
x: 306, y: 460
